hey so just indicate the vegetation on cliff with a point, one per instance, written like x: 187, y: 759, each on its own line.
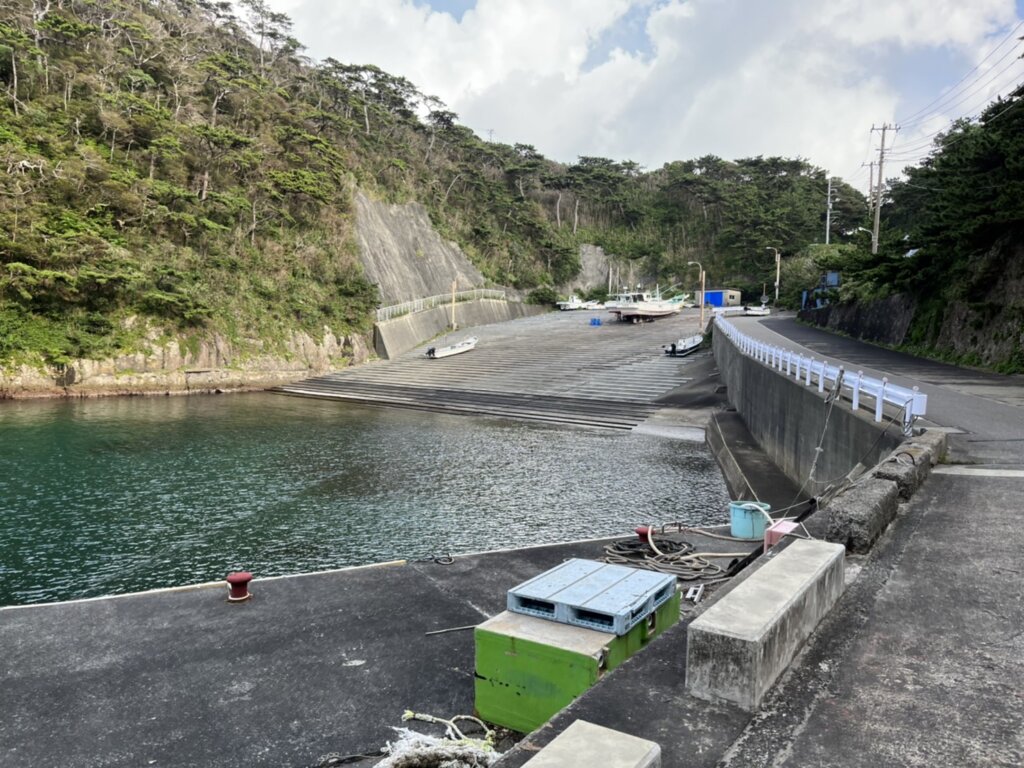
x: 167, y: 165
x: 953, y: 243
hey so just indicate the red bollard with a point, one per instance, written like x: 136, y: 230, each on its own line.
x: 239, y: 582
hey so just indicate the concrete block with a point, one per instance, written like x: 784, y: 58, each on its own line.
x: 908, y: 472
x: 936, y: 443
x: 857, y: 517
x: 740, y: 645
x: 584, y: 743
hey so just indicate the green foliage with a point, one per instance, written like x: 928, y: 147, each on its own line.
x: 188, y: 167
x: 543, y: 294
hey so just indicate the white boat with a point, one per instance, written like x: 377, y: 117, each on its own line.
x: 685, y: 345
x: 616, y: 300
x: 453, y: 349
x: 728, y: 311
x: 757, y: 311
x: 575, y: 302
x: 644, y: 307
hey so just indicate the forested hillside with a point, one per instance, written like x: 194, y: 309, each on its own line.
x: 953, y: 244
x: 170, y: 168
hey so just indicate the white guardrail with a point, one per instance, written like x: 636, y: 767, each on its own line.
x: 854, y: 386
x: 418, y: 305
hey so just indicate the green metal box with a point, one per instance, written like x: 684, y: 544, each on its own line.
x: 528, y: 668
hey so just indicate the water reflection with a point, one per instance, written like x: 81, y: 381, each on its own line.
x: 106, y: 496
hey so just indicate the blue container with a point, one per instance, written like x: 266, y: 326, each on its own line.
x: 747, y: 519
x: 595, y: 321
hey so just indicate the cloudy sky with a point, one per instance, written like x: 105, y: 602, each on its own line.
x: 660, y: 80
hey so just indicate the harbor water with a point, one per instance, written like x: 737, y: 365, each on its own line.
x: 101, y: 497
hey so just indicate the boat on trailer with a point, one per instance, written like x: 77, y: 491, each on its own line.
x: 685, y: 346
x: 452, y: 349
x: 643, y: 307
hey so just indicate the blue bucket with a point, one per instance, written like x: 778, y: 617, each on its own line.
x: 747, y: 521
x: 595, y: 321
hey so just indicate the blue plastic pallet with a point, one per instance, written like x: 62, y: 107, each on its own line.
x: 586, y: 593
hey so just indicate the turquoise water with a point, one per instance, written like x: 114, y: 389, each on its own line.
x: 116, y: 495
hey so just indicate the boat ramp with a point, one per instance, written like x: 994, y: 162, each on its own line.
x: 561, y: 367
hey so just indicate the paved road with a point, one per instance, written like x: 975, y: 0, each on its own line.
x: 922, y: 661
x: 985, y: 407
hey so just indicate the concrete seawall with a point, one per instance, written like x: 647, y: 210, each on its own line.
x: 393, y: 337
x: 787, y: 419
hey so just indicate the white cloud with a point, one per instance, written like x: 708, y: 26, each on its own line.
x: 734, y: 78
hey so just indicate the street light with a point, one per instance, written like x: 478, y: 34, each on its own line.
x: 702, y: 295
x: 778, y: 265
x: 874, y: 238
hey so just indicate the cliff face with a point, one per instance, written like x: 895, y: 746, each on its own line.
x: 404, y: 256
x: 400, y: 252
x: 595, y: 264
x: 885, y: 321
x: 169, y: 367
x: 986, y: 328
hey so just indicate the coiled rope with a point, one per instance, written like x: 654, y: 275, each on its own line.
x: 678, y: 558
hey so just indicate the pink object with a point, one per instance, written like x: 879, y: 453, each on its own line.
x: 773, y: 535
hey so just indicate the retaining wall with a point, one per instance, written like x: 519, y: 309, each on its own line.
x: 393, y: 337
x: 787, y: 419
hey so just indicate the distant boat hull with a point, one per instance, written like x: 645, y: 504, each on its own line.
x: 685, y: 346
x: 465, y: 345
x: 644, y: 314
x: 643, y: 307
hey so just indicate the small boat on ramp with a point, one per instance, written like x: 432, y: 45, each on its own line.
x: 452, y: 349
x: 685, y: 346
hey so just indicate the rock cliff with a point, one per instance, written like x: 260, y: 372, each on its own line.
x: 400, y: 252
x: 986, y: 328
x: 208, y: 365
x: 403, y: 254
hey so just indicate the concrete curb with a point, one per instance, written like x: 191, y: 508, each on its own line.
x: 858, y: 516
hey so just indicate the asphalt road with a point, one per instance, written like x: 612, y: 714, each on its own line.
x: 984, y: 409
x: 921, y: 663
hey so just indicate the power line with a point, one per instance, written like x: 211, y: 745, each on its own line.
x: 968, y: 94
x: 987, y: 121
x: 924, y: 143
x: 962, y: 79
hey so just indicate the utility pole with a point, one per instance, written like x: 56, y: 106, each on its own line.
x: 871, y: 186
x: 878, y: 188
x: 828, y: 215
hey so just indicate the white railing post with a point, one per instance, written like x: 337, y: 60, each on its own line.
x: 803, y: 369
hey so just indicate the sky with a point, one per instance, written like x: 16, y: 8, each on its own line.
x: 660, y: 80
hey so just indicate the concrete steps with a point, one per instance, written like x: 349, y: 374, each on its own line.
x: 555, y: 368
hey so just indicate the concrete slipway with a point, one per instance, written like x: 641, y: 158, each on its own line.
x: 919, y: 663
